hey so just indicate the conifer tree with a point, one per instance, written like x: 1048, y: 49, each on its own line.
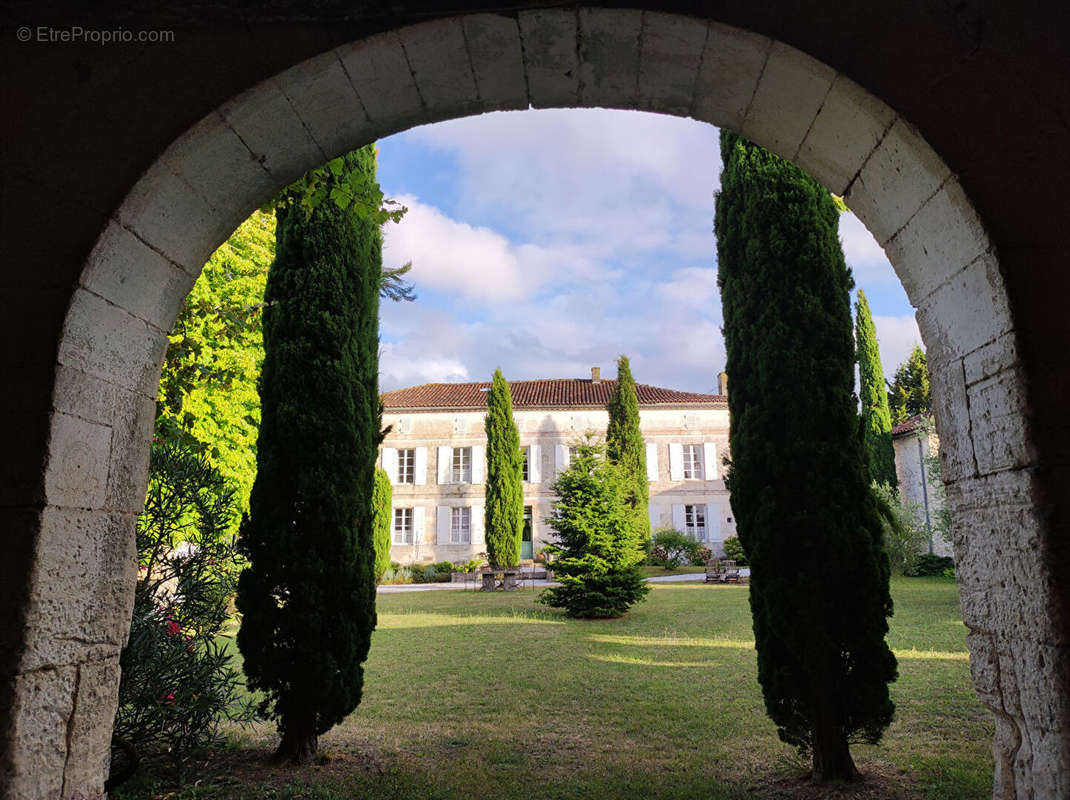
x: 504, y: 523
x: 308, y: 597
x: 819, y: 581
x: 382, y: 496
x: 624, y: 444
x: 909, y: 394
x: 876, y: 419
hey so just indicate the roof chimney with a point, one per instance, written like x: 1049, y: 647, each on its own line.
x: 596, y: 375
x: 722, y: 383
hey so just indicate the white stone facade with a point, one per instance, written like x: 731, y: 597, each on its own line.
x: 913, y: 446
x: 684, y: 449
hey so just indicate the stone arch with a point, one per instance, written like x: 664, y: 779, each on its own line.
x: 152, y: 249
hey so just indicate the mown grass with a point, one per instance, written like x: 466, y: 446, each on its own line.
x: 469, y: 695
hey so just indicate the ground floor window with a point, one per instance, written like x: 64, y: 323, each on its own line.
x: 460, y: 526
x: 402, y: 526
x: 695, y: 522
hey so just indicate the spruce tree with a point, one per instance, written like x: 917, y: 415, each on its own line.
x: 804, y: 509
x: 624, y: 445
x: 382, y: 519
x: 876, y: 419
x: 307, y: 598
x: 505, y: 492
x: 909, y: 394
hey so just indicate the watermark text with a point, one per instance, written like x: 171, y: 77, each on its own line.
x: 76, y: 34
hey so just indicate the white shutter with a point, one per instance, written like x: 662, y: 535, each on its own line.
x: 421, y: 466
x: 676, y: 461
x: 445, y: 464
x: 678, y: 521
x: 418, y: 525
x: 560, y: 458
x: 477, y: 463
x: 442, y: 522
x: 651, y: 461
x: 654, y: 510
x: 713, y: 524
x: 534, y: 464
x: 477, y: 525
x: 390, y: 463
x: 709, y: 460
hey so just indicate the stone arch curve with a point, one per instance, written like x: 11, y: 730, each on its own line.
x: 196, y: 193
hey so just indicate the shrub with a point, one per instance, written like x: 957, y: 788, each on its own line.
x: 904, y: 538
x: 702, y: 555
x: 733, y: 550
x: 672, y: 549
x: 929, y: 564
x: 178, y: 683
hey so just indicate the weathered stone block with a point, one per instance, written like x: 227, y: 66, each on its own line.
x: 108, y: 342
x: 82, y: 588
x: 438, y: 57
x: 952, y: 414
x: 78, y: 455
x: 125, y: 271
x: 163, y: 208
x: 899, y: 176
x: 939, y: 240
x: 732, y: 62
x: 326, y: 102
x: 998, y: 409
x: 269, y: 126
x: 43, y: 701
x: 609, y: 57
x: 85, y: 396
x: 847, y: 129
x: 380, y: 73
x: 497, y: 60
x: 790, y: 92
x: 550, y: 62
x: 966, y: 312
x: 131, y: 434
x: 992, y: 358
x: 89, y: 732
x: 668, y: 64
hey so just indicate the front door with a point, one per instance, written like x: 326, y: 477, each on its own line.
x: 525, y: 537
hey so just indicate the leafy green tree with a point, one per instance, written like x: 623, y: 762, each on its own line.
x: 308, y: 598
x: 382, y: 519
x: 909, y: 393
x: 876, y: 419
x: 819, y: 582
x: 597, y: 553
x: 208, y: 399
x: 505, y: 489
x: 624, y: 444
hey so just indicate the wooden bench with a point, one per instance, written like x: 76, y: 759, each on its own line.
x: 491, y: 582
x: 718, y: 571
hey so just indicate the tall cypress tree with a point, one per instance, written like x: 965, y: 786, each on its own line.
x: 876, y: 419
x: 382, y: 520
x: 819, y: 576
x: 505, y: 491
x: 909, y: 394
x: 624, y: 444
x: 308, y: 597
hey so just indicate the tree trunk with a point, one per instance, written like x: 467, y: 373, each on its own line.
x: 299, y: 740
x: 832, y: 758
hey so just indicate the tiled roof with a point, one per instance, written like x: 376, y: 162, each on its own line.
x: 908, y: 425
x: 563, y: 392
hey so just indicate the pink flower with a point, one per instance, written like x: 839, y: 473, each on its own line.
x: 170, y: 699
x: 173, y: 627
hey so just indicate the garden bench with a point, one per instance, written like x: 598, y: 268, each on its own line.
x: 491, y: 582
x: 718, y: 571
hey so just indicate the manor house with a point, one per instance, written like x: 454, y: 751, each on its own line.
x: 435, y: 455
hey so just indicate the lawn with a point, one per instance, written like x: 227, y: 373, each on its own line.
x: 469, y: 695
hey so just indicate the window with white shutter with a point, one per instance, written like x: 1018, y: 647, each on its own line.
x: 534, y: 464
x: 709, y: 460
x: 651, y: 461
x: 695, y: 522
x: 460, y: 526
x: 461, y: 470
x: 692, y: 462
x: 406, y: 467
x: 445, y: 464
x: 420, y: 466
x: 403, y: 527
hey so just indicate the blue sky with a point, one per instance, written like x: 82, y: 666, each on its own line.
x: 548, y: 242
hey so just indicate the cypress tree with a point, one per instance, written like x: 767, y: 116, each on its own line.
x: 909, y: 393
x: 624, y: 444
x: 505, y: 491
x: 876, y: 419
x: 819, y: 581
x: 382, y: 496
x: 308, y: 596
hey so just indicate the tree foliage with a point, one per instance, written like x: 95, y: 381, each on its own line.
x: 819, y: 582
x: 308, y: 597
x: 909, y: 393
x: 505, y: 491
x: 597, y: 551
x: 382, y: 520
x: 876, y: 420
x: 624, y: 444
